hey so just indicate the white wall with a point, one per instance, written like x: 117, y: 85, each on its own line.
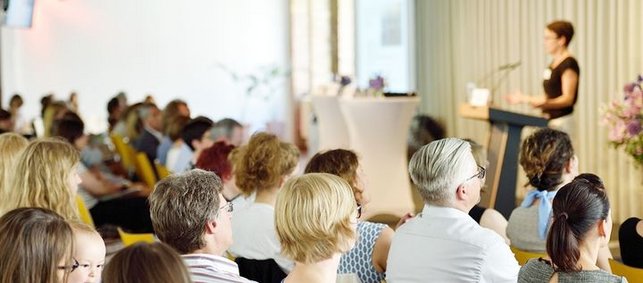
x: 170, y: 49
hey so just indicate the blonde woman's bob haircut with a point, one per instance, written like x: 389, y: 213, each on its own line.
x: 315, y: 215
x: 42, y: 177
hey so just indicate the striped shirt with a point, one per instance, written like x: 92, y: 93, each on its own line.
x: 207, y: 268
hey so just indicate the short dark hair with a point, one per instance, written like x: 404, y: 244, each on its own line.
x: 562, y: 28
x: 195, y: 129
x: 69, y: 129
x: 4, y: 115
x: 576, y: 209
x: 112, y: 105
x: 339, y: 162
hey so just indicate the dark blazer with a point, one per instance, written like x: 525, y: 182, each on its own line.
x: 147, y: 143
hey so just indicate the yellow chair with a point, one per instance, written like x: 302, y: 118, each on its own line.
x: 144, y: 170
x: 161, y: 170
x: 632, y: 274
x: 124, y: 151
x: 85, y: 216
x: 523, y: 256
x: 130, y: 239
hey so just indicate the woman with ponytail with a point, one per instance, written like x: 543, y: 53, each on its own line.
x: 582, y: 224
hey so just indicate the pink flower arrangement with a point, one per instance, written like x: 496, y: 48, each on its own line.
x: 624, y: 119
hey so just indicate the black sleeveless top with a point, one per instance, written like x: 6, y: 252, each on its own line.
x: 554, y: 88
x: 631, y: 243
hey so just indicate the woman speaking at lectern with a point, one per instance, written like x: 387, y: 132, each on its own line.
x: 560, y: 79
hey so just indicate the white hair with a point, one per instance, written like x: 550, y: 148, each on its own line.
x: 439, y: 167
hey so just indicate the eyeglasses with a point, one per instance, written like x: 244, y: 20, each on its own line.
x: 228, y: 207
x: 481, y: 173
x: 88, y: 266
x: 70, y: 268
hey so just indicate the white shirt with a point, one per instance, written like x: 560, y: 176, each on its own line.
x: 255, y: 236
x: 211, y: 268
x: 444, y: 244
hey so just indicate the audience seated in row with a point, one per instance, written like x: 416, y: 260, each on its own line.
x: 316, y: 218
x: 143, y: 262
x: 174, y: 116
x: 443, y: 242
x: 368, y: 258
x: 150, y: 136
x: 262, y: 167
x: 582, y: 224
x: 104, y: 194
x: 190, y: 214
x: 548, y: 159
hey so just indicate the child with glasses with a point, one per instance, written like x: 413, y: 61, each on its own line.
x: 89, y: 254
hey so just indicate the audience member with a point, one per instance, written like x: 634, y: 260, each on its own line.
x: 630, y: 237
x: 316, y: 217
x: 35, y: 246
x: 229, y: 131
x: 368, y: 258
x: 114, y: 111
x: 443, y: 242
x: 46, y: 176
x: 54, y: 111
x: 20, y: 123
x: 262, y: 167
x: 143, y: 262
x: 172, y: 142
x: 107, y: 196
x: 72, y: 102
x: 173, y: 118
x: 151, y: 136
x: 89, y: 254
x: 548, y: 159
x: 423, y: 130
x: 217, y: 159
x: 196, y: 136
x: 582, y: 224
x: 11, y: 147
x: 130, y: 125
x: 6, y: 123
x: 190, y: 214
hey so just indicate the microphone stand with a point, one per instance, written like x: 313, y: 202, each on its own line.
x: 502, y: 78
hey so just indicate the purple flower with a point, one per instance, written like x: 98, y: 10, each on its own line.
x: 634, y: 127
x: 640, y: 79
x: 376, y: 83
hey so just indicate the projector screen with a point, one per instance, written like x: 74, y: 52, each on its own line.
x: 19, y: 13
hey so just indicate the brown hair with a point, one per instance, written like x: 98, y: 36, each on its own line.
x: 143, y: 262
x: 339, y: 162
x: 170, y: 113
x: 544, y: 155
x: 562, y: 28
x: 42, y: 177
x: 174, y: 126
x: 263, y: 161
x: 33, y: 243
x: 181, y: 205
x: 576, y: 209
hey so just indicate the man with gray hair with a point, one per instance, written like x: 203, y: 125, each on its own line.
x: 227, y: 130
x: 151, y: 136
x: 443, y: 243
x: 189, y: 214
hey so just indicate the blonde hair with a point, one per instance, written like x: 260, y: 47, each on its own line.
x: 11, y: 146
x: 82, y: 228
x: 33, y: 243
x: 143, y: 262
x: 42, y: 177
x: 261, y: 164
x: 315, y: 215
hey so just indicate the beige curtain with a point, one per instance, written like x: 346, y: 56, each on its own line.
x: 459, y: 41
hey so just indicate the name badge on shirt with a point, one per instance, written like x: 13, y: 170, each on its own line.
x: 547, y: 74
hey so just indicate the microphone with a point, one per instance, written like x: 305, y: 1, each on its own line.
x: 509, y: 66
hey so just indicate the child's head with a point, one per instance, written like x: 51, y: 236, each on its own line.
x: 89, y: 253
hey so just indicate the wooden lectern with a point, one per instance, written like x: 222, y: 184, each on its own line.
x: 503, y: 150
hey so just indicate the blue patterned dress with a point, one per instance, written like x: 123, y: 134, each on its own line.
x: 359, y: 260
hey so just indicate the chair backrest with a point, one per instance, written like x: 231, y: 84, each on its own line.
x: 161, y: 170
x: 144, y: 170
x: 266, y: 270
x: 523, y: 256
x: 632, y: 274
x: 85, y: 216
x: 129, y: 238
x: 124, y: 151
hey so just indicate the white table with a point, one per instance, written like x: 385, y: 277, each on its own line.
x: 378, y: 129
x: 332, y: 129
